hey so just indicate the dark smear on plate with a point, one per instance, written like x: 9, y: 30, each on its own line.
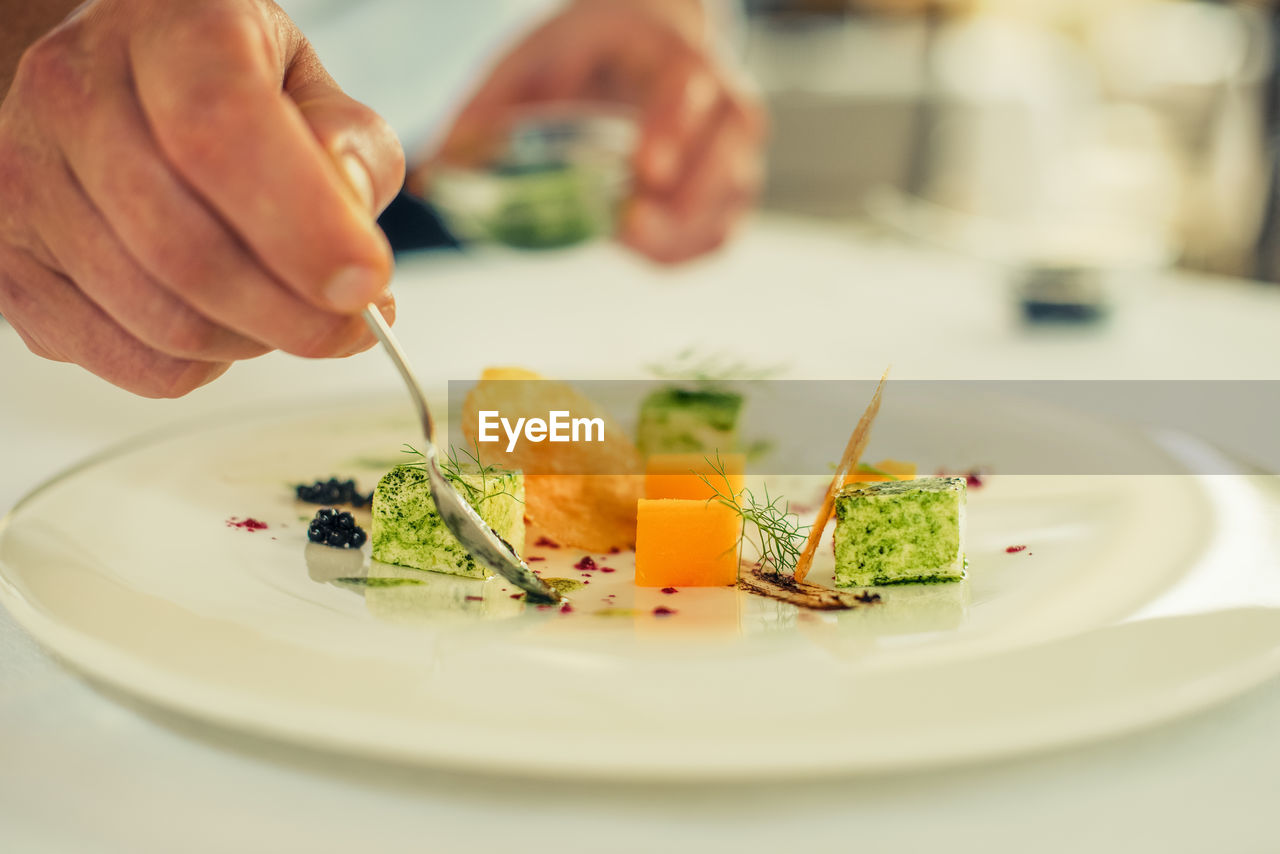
x: 775, y: 585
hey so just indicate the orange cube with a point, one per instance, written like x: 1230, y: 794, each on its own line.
x: 680, y: 475
x: 892, y: 470
x: 682, y: 542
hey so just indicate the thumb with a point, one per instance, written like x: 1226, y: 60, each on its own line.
x: 359, y: 141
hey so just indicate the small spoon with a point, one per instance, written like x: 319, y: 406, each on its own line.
x: 474, y: 533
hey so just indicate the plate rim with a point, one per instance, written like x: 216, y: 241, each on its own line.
x: 97, y: 661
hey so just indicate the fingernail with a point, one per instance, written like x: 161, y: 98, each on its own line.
x: 351, y: 288
x: 358, y: 180
x: 662, y: 163
x: 700, y: 95
x: 386, y: 303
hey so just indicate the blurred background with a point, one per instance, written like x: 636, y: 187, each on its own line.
x: 1100, y: 132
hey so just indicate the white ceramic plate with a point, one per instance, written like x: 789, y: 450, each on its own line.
x: 1138, y: 598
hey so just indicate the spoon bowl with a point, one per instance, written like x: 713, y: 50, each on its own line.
x: 462, y: 520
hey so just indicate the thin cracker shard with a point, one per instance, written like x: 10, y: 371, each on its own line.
x: 852, y: 454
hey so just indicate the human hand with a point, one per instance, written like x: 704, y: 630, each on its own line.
x: 698, y: 163
x: 182, y: 185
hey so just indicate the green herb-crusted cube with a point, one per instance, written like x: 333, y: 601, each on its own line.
x: 676, y: 420
x: 408, y: 531
x: 899, y: 532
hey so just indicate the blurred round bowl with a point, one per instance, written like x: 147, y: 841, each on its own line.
x: 559, y: 177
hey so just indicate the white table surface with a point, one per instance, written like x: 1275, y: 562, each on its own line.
x: 84, y: 770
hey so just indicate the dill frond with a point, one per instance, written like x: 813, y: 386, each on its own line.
x: 454, y: 468
x: 778, y: 534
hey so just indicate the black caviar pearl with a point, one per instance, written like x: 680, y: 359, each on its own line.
x: 336, y: 528
x: 333, y: 491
